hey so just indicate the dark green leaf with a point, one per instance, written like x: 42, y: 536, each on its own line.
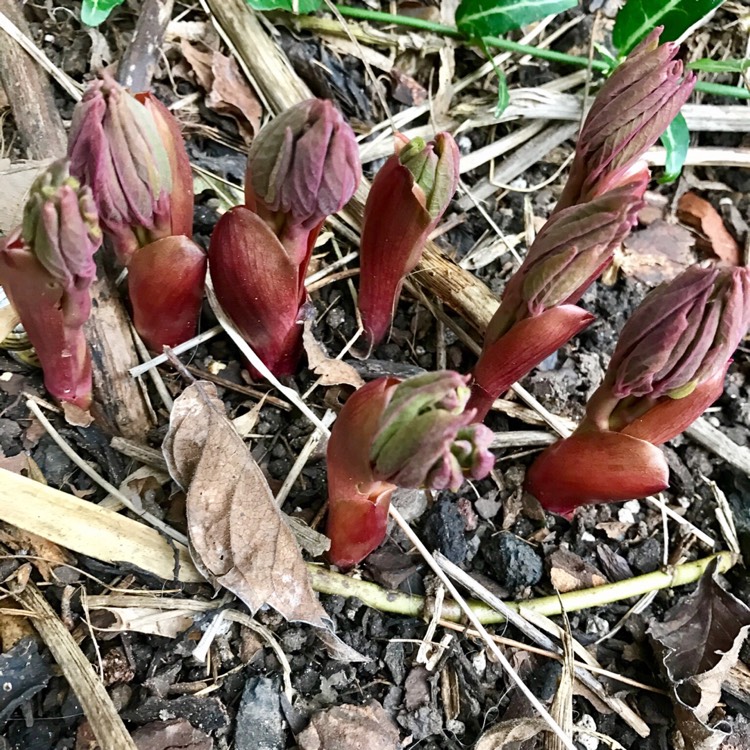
x: 676, y: 140
x: 301, y: 6
x: 720, y: 66
x: 495, y: 17
x: 637, y: 18
x: 93, y: 12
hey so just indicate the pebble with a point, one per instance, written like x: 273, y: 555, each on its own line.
x: 260, y: 724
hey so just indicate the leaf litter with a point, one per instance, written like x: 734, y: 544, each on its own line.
x: 699, y: 643
x: 238, y: 538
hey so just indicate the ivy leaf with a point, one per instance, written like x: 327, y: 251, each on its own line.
x: 676, y: 140
x: 495, y: 17
x: 637, y: 18
x: 294, y: 6
x: 94, y: 12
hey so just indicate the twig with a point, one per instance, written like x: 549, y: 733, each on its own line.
x: 179, y: 349
x: 304, y: 457
x: 256, y: 361
x: 101, y: 713
x: 535, y: 634
x: 474, y: 620
x: 139, y: 62
x: 150, y: 518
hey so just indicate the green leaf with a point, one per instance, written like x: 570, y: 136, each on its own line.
x: 720, y: 66
x: 637, y: 18
x: 294, y: 6
x: 495, y: 17
x: 94, y: 12
x: 676, y: 139
x: 503, y: 95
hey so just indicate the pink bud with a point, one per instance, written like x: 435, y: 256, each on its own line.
x: 46, y: 270
x: 357, y: 502
x: 302, y: 167
x: 126, y: 157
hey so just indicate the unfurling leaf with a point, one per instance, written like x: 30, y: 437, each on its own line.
x: 238, y: 538
x: 699, y: 642
x: 495, y: 17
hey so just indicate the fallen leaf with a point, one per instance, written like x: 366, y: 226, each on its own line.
x: 45, y: 555
x: 351, y: 728
x: 177, y: 734
x: 406, y: 89
x: 513, y: 730
x: 238, y: 538
x: 712, y: 235
x: 699, y: 642
x: 657, y: 253
x: 227, y: 90
x: 569, y: 572
x: 331, y: 371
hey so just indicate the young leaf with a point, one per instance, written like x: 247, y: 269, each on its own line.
x: 94, y: 12
x: 676, y: 139
x: 294, y: 6
x: 637, y: 18
x: 495, y: 17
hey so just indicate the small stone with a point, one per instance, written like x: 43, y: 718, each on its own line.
x: 260, y: 724
x: 444, y: 530
x: 513, y: 563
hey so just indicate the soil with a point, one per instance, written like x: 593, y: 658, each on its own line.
x: 488, y: 527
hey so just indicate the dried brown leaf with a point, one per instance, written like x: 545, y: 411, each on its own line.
x: 227, y: 90
x: 569, y: 572
x: 513, y: 730
x: 713, y: 236
x: 351, y: 728
x: 331, y: 371
x: 238, y: 538
x: 699, y: 643
x: 657, y: 253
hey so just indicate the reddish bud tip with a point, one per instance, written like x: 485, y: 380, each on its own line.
x: 632, y: 109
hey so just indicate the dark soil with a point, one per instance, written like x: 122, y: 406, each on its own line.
x: 488, y: 528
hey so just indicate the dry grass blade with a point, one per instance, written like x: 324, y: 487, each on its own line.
x: 65, y: 81
x: 86, y: 528
x: 532, y: 631
x: 101, y: 713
